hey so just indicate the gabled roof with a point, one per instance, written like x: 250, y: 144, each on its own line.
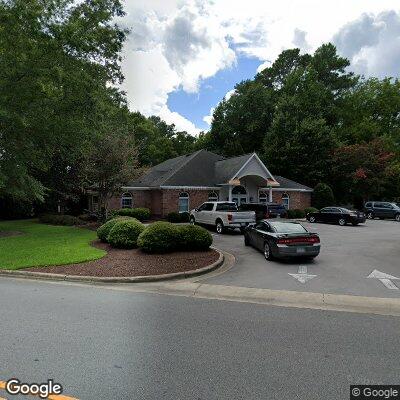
x: 196, y: 169
x: 289, y: 184
x: 201, y: 169
x: 225, y: 168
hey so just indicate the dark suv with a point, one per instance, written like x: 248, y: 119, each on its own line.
x: 382, y: 210
x: 265, y: 210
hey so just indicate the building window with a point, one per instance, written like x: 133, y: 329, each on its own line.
x: 263, y: 197
x: 286, y: 200
x: 127, y: 200
x: 213, y: 196
x: 183, y: 202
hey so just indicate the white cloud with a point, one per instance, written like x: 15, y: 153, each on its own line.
x: 175, y: 44
x: 372, y: 43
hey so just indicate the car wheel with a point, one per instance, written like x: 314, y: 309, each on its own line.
x: 192, y: 221
x: 246, y: 240
x: 219, y: 227
x: 370, y: 215
x: 267, y: 252
x: 312, y: 219
x: 342, y: 222
x: 397, y: 217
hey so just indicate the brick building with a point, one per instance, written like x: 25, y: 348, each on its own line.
x: 185, y: 182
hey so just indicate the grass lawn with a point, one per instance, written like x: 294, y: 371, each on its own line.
x: 42, y: 244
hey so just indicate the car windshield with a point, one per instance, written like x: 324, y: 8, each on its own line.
x: 346, y: 210
x: 287, y: 227
x: 226, y: 207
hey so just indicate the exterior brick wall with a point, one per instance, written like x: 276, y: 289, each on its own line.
x: 162, y: 202
x: 170, y: 199
x: 297, y: 200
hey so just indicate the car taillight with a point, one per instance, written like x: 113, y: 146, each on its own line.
x: 308, y: 239
x: 229, y: 217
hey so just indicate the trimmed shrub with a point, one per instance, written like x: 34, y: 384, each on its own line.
x: 60, y: 219
x: 323, y: 196
x: 104, y: 230
x: 124, y: 233
x: 308, y: 210
x: 296, y: 213
x: 159, y: 237
x: 178, y: 217
x: 88, y: 217
x: 141, y: 214
x: 193, y: 237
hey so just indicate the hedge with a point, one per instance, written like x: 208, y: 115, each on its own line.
x: 178, y: 217
x: 104, y: 230
x: 60, y: 219
x: 164, y: 237
x: 296, y: 213
x: 193, y: 237
x: 159, y: 237
x: 141, y: 214
x: 124, y: 234
x: 308, y: 210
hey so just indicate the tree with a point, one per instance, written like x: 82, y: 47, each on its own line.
x: 323, y: 196
x: 364, y: 170
x: 109, y: 163
x: 57, y: 61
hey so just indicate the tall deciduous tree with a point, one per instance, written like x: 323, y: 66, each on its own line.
x: 57, y: 60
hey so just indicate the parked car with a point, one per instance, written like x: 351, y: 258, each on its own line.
x: 337, y: 215
x: 265, y: 210
x: 278, y: 239
x: 382, y: 210
x: 223, y: 215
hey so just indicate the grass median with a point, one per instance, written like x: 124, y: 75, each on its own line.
x: 32, y: 244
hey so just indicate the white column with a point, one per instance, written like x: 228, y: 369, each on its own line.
x: 270, y: 194
x: 230, y: 192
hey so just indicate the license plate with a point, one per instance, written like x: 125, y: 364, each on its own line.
x: 300, y: 250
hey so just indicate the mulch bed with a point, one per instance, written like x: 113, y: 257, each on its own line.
x: 120, y: 263
x: 10, y: 233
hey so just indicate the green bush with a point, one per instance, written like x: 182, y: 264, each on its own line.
x: 60, y: 219
x: 178, y: 217
x: 141, y: 214
x: 193, y: 237
x: 323, y: 196
x: 159, y: 237
x: 308, y: 210
x: 124, y: 234
x: 104, y: 230
x: 296, y: 213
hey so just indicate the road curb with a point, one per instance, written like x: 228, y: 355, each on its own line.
x: 130, y: 279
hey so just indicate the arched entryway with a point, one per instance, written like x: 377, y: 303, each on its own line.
x: 239, y: 195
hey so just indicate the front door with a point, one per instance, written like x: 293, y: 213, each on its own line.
x: 239, y: 195
x: 239, y: 199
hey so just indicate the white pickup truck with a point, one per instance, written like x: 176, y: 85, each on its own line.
x: 223, y: 215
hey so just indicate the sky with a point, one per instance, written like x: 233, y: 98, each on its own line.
x: 182, y: 57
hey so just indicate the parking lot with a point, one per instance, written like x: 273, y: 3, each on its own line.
x: 348, y: 256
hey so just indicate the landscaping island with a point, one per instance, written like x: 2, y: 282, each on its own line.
x: 126, y: 263
x: 124, y: 248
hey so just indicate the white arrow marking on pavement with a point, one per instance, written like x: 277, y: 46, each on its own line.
x: 386, y: 279
x: 302, y: 276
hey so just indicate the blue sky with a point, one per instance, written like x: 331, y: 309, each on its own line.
x: 194, y: 106
x: 183, y: 56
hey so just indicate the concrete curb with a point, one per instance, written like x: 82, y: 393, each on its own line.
x: 131, y: 279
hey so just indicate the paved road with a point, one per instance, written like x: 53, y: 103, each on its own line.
x: 348, y: 255
x: 107, y: 344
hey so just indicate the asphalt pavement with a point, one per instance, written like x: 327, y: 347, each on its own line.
x: 348, y: 256
x: 108, y: 344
